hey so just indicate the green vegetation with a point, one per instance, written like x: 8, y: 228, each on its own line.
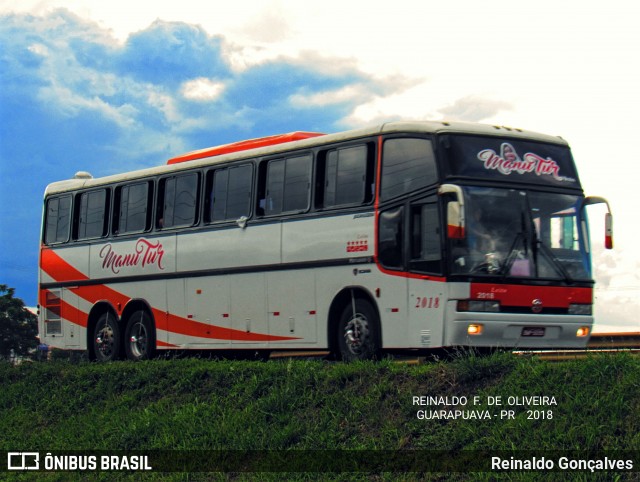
x: 18, y: 327
x: 195, y: 404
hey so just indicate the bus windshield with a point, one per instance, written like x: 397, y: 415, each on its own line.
x: 520, y: 233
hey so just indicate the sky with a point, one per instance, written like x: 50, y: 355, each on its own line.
x: 109, y: 87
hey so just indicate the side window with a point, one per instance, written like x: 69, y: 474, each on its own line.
x: 92, y: 215
x: 407, y: 165
x: 345, y: 177
x: 288, y: 185
x: 178, y: 200
x: 390, y: 238
x: 58, y: 216
x: 133, y: 213
x: 297, y: 184
x: 426, y: 250
x: 239, y: 192
x: 275, y: 187
x: 229, y: 193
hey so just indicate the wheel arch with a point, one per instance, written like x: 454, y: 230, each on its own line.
x: 342, y: 299
x: 136, y: 305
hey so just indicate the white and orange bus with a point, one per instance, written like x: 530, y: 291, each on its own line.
x: 407, y: 236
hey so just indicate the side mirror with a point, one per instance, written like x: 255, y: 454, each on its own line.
x: 455, y: 221
x: 455, y: 211
x: 608, y: 219
x: 608, y: 231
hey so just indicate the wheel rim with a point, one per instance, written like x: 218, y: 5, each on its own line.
x: 356, y: 334
x: 138, y: 340
x: 105, y: 341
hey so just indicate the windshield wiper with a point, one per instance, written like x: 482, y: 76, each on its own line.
x: 513, y: 254
x: 521, y: 236
x: 537, y: 245
x: 554, y: 261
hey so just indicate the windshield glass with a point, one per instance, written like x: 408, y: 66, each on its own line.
x: 518, y: 233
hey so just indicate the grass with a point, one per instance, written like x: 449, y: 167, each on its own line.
x: 320, y: 410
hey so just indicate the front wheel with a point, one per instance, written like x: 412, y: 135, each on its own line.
x: 140, y: 337
x: 359, y: 332
x: 106, y: 338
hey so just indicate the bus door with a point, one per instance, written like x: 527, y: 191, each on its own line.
x: 426, y: 285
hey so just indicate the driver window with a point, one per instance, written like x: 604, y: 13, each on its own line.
x: 390, y: 234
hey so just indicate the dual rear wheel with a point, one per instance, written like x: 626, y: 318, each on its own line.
x: 138, y: 342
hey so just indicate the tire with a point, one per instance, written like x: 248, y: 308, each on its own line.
x: 140, y: 337
x: 359, y: 332
x: 106, y: 338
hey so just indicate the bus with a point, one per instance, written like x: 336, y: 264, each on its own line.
x: 405, y: 237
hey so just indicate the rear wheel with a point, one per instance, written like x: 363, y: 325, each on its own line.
x: 106, y: 338
x: 140, y: 337
x: 359, y: 332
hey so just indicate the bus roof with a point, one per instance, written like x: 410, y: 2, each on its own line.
x: 243, y: 146
x: 273, y: 145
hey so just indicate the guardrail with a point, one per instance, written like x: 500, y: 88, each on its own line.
x: 614, y: 340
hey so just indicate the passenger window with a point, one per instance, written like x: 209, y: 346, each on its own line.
x: 229, y: 193
x: 239, y: 192
x: 178, y: 200
x: 275, y: 188
x: 58, y: 215
x: 93, y: 214
x: 297, y: 184
x: 426, y: 250
x: 288, y: 185
x: 407, y: 165
x: 345, y: 176
x: 134, y: 214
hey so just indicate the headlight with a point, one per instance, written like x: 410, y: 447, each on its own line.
x: 481, y: 306
x: 579, y: 309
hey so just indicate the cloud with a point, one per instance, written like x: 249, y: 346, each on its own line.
x: 350, y: 94
x: 474, y: 108
x: 73, y: 98
x: 202, y: 89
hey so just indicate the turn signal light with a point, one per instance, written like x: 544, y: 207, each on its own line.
x: 475, y: 329
x: 583, y: 331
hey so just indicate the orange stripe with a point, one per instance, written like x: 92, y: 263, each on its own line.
x: 60, y: 270
x: 67, y: 311
x: 165, y: 344
x: 204, y: 330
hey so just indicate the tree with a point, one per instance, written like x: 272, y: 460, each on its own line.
x: 18, y: 326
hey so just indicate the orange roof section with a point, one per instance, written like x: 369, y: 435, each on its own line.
x: 243, y: 146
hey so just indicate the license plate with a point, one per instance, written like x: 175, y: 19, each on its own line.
x: 533, y: 331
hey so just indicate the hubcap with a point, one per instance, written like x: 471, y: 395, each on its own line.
x: 105, y: 341
x: 138, y: 340
x: 356, y: 333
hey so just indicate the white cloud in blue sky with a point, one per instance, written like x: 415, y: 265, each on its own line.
x: 72, y: 98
